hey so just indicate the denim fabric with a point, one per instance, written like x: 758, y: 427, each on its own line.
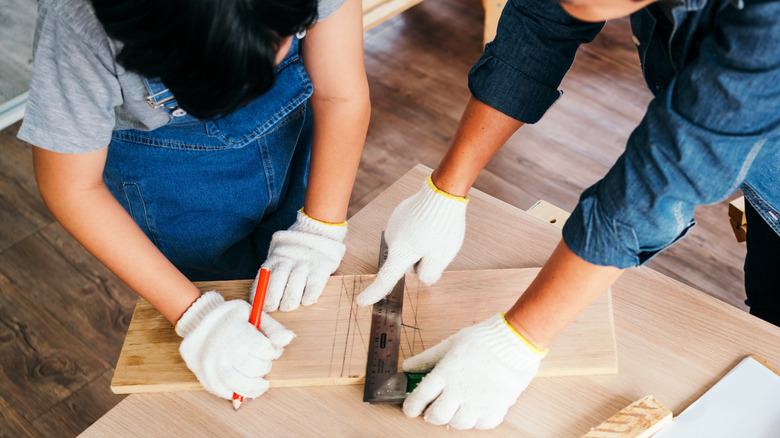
x: 210, y: 194
x: 713, y: 126
x: 521, y: 69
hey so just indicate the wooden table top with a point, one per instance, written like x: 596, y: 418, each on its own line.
x: 673, y: 342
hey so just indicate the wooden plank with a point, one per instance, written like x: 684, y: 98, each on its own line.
x: 493, y: 9
x: 640, y: 419
x: 763, y: 362
x: 737, y: 210
x: 674, y: 342
x: 371, y: 4
x: 549, y: 213
x: 378, y: 11
x: 331, y: 345
x: 738, y: 219
x: 740, y: 231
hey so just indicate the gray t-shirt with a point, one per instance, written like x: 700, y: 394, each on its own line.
x: 78, y: 92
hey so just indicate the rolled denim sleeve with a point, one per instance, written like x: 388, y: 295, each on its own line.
x: 521, y: 69
x: 718, y: 122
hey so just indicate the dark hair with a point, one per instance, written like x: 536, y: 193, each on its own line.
x: 215, y: 56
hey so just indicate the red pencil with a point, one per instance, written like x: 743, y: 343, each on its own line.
x: 254, y: 317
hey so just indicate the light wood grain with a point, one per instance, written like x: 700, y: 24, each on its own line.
x: 493, y: 9
x: 738, y: 219
x: 640, y: 419
x: 332, y: 336
x: 774, y: 368
x: 672, y: 341
x: 549, y: 213
x: 377, y: 11
x: 737, y: 210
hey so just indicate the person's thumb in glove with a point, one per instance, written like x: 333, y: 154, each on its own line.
x: 427, y: 228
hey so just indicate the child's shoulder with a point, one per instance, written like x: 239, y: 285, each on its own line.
x: 77, y: 15
x: 327, y: 7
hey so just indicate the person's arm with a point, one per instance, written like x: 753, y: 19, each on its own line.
x: 72, y: 187
x: 216, y: 333
x: 481, y: 133
x: 333, y: 56
x: 564, y: 287
x: 302, y: 258
x: 713, y: 129
x: 697, y: 143
x: 514, y: 82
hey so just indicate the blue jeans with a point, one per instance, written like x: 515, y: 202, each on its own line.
x: 210, y: 194
x: 713, y: 126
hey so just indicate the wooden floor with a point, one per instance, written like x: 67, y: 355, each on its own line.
x: 63, y: 316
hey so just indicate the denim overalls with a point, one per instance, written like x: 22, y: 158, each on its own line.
x: 210, y: 194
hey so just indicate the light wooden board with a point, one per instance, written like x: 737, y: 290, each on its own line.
x: 377, y: 11
x: 737, y: 218
x: 640, y: 419
x: 674, y: 342
x: 331, y: 343
x: 493, y: 9
x: 737, y: 210
x: 549, y: 213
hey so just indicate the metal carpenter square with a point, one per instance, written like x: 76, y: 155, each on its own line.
x: 384, y: 384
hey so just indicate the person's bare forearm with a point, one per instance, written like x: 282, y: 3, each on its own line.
x: 333, y: 55
x: 339, y: 134
x: 481, y: 133
x: 565, y: 286
x: 88, y: 211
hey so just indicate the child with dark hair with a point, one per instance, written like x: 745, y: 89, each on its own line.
x: 181, y: 141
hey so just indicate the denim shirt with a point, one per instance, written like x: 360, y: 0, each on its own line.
x: 712, y: 127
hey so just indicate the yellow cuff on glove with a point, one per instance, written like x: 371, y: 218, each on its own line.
x: 340, y: 224
x: 532, y: 347
x: 439, y: 191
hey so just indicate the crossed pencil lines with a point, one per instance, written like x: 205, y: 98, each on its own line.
x: 411, y: 334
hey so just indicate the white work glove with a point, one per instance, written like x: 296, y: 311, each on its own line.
x: 429, y: 228
x: 225, y: 352
x: 478, y: 374
x: 301, y: 259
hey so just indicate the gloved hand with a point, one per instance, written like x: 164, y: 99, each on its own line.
x: 429, y: 228
x: 225, y: 352
x: 301, y: 259
x: 479, y: 374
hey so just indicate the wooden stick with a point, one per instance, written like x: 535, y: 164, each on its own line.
x: 640, y: 419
